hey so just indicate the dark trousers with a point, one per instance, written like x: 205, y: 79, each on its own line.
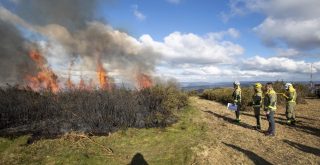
x: 257, y: 115
x: 238, y: 112
x: 270, y: 118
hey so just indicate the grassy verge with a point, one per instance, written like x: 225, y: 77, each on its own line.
x: 170, y: 145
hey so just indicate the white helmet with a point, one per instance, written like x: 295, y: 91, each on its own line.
x: 288, y: 85
x: 236, y: 83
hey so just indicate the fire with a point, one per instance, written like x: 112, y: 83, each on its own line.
x: 69, y: 83
x: 45, y: 79
x: 144, y: 81
x: 103, y: 77
x: 82, y: 84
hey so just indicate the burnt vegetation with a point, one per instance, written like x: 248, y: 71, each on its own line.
x: 23, y: 111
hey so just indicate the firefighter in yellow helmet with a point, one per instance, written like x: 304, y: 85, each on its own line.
x: 257, y: 103
x: 270, y: 107
x: 291, y: 96
x: 236, y: 95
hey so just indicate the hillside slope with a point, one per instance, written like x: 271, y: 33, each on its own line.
x: 233, y: 143
x: 205, y: 134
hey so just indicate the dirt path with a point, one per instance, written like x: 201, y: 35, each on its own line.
x: 231, y: 143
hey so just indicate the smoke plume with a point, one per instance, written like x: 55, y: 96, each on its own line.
x: 72, y: 26
x: 14, y: 61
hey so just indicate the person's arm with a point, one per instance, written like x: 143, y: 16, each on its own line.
x: 273, y: 102
x: 266, y: 102
x: 238, y: 95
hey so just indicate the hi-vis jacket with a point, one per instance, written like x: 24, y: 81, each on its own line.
x: 257, y: 98
x: 291, y: 95
x: 236, y: 95
x: 270, y: 101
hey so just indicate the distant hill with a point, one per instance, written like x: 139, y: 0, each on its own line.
x: 200, y: 86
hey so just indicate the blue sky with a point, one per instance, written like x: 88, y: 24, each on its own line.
x: 186, y: 16
x: 193, y: 41
x: 161, y: 18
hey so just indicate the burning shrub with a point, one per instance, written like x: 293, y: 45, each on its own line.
x: 98, y: 111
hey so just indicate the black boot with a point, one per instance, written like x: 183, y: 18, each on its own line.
x: 258, y: 127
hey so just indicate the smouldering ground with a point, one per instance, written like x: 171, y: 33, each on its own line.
x: 205, y: 134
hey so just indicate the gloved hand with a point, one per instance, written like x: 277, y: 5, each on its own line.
x: 284, y: 95
x: 267, y: 112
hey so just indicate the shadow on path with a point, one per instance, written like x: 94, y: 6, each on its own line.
x: 300, y: 125
x: 251, y: 155
x: 230, y: 120
x: 303, y: 148
x: 299, y: 117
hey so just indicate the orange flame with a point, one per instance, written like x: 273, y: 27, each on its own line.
x: 69, y: 83
x: 103, y: 77
x: 82, y: 84
x: 45, y: 79
x: 144, y: 81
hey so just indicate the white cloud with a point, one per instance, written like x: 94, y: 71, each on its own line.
x: 190, y: 57
x: 294, y: 23
x: 138, y: 14
x: 288, y: 52
x: 179, y: 48
x: 277, y: 64
x: 316, y: 66
x: 302, y: 34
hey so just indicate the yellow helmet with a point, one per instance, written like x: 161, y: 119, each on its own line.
x: 257, y: 85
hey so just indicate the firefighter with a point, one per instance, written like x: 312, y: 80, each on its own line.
x: 270, y: 106
x: 236, y: 95
x: 256, y: 102
x: 291, y: 96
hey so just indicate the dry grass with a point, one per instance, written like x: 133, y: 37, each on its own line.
x: 241, y: 144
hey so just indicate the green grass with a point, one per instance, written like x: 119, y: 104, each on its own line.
x: 170, y: 145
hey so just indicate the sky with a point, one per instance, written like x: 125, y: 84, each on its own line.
x: 218, y: 40
x: 214, y: 41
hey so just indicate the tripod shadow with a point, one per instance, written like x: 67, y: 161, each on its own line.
x: 138, y: 159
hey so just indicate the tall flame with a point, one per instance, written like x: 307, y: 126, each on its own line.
x: 82, y: 84
x: 69, y: 83
x: 45, y: 79
x: 144, y: 81
x: 103, y: 77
